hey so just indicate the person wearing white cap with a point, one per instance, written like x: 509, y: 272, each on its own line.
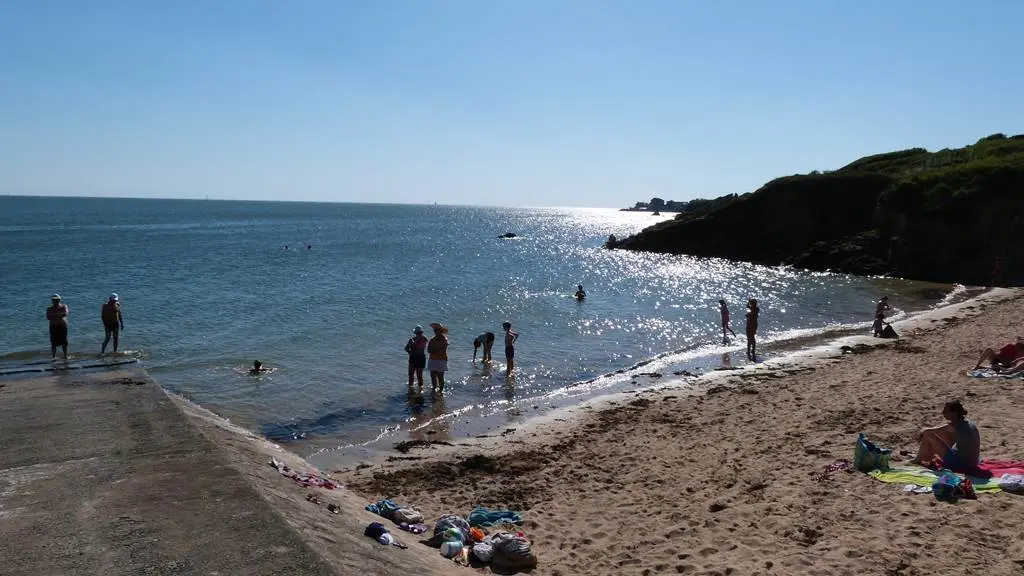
x: 113, y: 322
x: 57, y: 314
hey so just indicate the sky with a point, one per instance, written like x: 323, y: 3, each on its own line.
x: 487, y: 102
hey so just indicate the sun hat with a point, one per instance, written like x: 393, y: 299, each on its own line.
x: 113, y: 297
x: 55, y: 297
x: 438, y: 327
x: 418, y: 329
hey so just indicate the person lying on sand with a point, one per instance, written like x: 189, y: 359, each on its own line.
x: 956, y: 445
x: 1006, y: 357
x: 1016, y: 368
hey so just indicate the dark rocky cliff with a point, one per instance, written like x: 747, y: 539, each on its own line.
x: 947, y: 216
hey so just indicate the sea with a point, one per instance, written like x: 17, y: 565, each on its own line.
x: 327, y: 294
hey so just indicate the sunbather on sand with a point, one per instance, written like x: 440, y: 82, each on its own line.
x: 1016, y: 368
x: 1006, y: 357
x: 956, y: 445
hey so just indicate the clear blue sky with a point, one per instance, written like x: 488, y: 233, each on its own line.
x: 506, y: 102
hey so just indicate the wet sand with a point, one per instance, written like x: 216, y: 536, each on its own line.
x: 717, y: 477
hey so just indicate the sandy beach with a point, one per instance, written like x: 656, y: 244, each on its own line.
x: 723, y: 481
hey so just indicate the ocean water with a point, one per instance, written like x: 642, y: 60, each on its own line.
x: 208, y: 286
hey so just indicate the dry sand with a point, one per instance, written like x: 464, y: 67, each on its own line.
x: 665, y: 482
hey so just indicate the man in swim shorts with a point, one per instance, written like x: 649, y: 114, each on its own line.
x: 510, y: 347
x: 113, y: 323
x: 57, y: 315
x: 487, y: 341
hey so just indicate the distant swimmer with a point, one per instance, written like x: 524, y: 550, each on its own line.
x: 510, y: 347
x: 416, y: 348
x: 752, y: 316
x: 113, y: 321
x: 437, y: 352
x: 257, y: 368
x: 309, y: 246
x: 57, y: 315
x: 723, y: 308
x: 580, y: 293
x: 487, y: 341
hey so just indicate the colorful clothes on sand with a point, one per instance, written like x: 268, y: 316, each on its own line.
x: 385, y: 508
x: 481, y: 516
x: 306, y: 479
x: 921, y: 476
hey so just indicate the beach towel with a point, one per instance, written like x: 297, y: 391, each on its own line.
x: 989, y: 373
x: 998, y: 468
x: 481, y: 516
x: 921, y: 476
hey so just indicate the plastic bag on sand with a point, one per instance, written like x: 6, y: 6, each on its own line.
x: 512, y: 551
x: 484, y: 551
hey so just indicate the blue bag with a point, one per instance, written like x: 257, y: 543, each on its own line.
x: 867, y: 456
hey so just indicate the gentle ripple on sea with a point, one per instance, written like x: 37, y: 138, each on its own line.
x: 208, y: 287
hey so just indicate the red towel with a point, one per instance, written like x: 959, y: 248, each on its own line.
x: 996, y: 468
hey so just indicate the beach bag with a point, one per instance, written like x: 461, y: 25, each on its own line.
x: 889, y: 332
x: 407, y: 516
x: 868, y: 457
x: 451, y: 521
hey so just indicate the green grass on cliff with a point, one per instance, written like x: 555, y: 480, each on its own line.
x: 990, y: 151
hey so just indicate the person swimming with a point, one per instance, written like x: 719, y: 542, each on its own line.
x: 257, y: 368
x: 580, y: 293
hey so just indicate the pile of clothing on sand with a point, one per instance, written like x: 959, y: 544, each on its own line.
x: 483, y: 537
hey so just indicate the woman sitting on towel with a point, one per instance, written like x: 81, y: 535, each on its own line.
x: 955, y: 446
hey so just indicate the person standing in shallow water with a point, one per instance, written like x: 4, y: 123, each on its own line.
x: 57, y: 315
x: 510, y: 347
x: 723, y: 308
x: 752, y: 316
x: 437, y: 352
x: 416, y: 347
x: 113, y: 322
